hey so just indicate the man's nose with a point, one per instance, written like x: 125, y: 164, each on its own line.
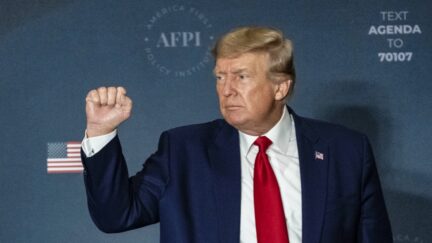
x: 228, y: 87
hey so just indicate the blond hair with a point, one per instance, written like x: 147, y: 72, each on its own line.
x: 260, y: 39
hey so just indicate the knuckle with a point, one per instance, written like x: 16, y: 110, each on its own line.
x: 91, y: 92
x: 101, y: 89
x: 121, y: 89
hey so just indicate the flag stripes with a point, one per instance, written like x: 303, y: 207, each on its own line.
x: 64, y: 158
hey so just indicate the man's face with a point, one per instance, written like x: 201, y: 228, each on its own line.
x: 248, y: 100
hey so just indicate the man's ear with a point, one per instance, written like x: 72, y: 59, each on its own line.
x: 283, y: 89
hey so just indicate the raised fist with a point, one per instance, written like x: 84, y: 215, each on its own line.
x: 106, y: 109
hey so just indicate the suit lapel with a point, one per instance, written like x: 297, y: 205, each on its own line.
x: 313, y: 157
x: 224, y: 156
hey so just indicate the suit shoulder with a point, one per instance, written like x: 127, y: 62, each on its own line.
x: 331, y: 131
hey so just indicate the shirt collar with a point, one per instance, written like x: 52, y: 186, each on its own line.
x: 279, y: 134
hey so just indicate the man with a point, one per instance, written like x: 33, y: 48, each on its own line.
x: 262, y: 174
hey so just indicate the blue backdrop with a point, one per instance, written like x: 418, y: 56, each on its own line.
x: 364, y: 64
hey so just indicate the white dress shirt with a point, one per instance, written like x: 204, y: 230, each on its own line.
x: 283, y: 157
x: 93, y: 145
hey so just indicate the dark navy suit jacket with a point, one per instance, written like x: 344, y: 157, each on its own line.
x: 192, y: 185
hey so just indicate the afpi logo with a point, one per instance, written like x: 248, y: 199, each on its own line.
x: 178, y: 40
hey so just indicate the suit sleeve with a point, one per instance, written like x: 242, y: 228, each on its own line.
x: 116, y: 202
x: 374, y: 224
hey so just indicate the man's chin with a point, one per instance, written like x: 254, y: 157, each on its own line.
x: 234, y: 121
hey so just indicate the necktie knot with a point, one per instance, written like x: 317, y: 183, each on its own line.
x: 263, y: 143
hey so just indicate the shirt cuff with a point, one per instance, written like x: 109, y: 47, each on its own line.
x: 92, y: 145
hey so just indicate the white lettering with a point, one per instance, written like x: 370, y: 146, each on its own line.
x: 163, y: 41
x: 179, y: 39
x: 398, y: 43
x: 175, y: 38
x: 395, y: 56
x: 416, y: 30
x: 393, y: 15
x: 394, y: 29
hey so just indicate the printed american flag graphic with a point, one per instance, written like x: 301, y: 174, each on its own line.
x: 64, y: 157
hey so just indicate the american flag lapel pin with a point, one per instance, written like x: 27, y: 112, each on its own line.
x: 319, y: 155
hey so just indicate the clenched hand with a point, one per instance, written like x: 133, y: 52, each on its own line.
x: 106, y: 109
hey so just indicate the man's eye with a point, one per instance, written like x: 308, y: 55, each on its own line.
x: 242, y: 76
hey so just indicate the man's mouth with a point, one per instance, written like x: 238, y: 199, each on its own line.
x: 232, y: 107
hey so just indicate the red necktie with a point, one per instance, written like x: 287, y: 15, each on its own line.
x: 269, y: 215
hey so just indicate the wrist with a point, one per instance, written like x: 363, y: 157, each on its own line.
x: 92, y: 131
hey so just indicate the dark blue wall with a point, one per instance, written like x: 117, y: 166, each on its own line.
x: 349, y: 72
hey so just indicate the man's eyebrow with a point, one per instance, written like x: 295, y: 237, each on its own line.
x: 215, y: 71
x: 240, y: 70
x: 235, y: 71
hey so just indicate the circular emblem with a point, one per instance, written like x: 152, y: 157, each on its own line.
x: 178, y: 40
